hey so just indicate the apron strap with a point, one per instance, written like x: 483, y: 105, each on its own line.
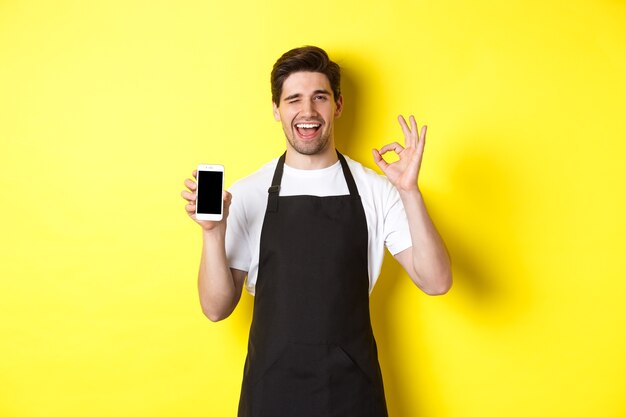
x: 354, y: 192
x: 272, y: 199
x: 274, y: 190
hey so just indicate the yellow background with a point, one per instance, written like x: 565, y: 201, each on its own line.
x: 106, y: 106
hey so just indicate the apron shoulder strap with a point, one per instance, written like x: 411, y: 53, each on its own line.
x: 354, y: 192
x: 272, y: 199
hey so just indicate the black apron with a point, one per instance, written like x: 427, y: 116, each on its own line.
x: 311, y: 351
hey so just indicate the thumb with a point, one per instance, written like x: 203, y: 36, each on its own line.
x: 227, y: 197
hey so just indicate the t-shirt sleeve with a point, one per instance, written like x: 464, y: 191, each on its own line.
x: 237, y: 245
x: 396, y: 226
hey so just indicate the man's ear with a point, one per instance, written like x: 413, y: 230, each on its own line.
x: 339, y: 104
x: 276, y: 112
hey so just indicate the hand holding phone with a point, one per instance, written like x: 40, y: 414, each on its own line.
x: 210, y: 184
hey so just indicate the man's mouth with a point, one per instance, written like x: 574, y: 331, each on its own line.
x: 307, y: 130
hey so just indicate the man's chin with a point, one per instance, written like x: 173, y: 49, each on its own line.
x: 309, y: 148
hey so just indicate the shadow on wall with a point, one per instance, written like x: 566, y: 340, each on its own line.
x: 480, y: 221
x: 484, y: 231
x: 345, y: 126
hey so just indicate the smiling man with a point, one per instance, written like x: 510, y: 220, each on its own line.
x: 306, y: 235
x: 307, y: 112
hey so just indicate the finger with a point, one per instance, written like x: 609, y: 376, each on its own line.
x: 405, y: 130
x: 395, y: 146
x: 191, y: 184
x: 188, y: 196
x: 414, y: 135
x: 422, y: 140
x: 378, y: 159
x: 227, y: 201
x: 195, y: 173
x: 227, y: 197
x: 190, y: 209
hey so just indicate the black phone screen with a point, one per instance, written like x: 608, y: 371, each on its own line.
x: 209, y: 198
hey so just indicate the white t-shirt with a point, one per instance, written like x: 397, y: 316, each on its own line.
x: 386, y: 220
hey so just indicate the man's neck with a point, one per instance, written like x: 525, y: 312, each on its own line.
x: 320, y: 160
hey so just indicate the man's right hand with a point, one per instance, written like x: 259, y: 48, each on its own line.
x: 190, y: 196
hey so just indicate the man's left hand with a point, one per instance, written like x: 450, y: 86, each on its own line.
x: 403, y: 173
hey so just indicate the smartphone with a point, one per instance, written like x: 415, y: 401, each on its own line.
x: 209, y: 201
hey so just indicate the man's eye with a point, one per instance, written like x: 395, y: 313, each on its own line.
x: 320, y: 98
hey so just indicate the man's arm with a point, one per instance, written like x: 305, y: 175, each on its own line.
x: 219, y: 286
x: 427, y: 261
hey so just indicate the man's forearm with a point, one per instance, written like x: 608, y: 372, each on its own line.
x: 430, y: 260
x: 216, y: 287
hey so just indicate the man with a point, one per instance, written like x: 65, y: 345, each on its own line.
x: 308, y: 230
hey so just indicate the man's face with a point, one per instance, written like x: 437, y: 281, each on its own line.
x: 307, y: 111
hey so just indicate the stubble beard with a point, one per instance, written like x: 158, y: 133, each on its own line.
x: 310, y: 147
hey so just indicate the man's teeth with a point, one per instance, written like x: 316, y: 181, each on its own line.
x: 307, y: 125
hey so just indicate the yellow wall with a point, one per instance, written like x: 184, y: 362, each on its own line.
x: 105, y: 107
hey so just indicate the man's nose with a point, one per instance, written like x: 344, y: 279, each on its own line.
x: 308, y: 109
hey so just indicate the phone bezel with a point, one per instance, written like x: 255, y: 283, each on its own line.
x: 211, y: 168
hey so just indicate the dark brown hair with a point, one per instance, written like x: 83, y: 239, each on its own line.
x: 306, y: 58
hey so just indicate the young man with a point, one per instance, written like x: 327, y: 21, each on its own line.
x: 309, y: 230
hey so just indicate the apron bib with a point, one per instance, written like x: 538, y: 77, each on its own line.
x: 311, y: 351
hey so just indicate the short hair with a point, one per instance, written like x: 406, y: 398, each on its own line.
x: 306, y: 58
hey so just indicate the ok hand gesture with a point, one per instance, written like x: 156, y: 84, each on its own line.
x: 403, y: 173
